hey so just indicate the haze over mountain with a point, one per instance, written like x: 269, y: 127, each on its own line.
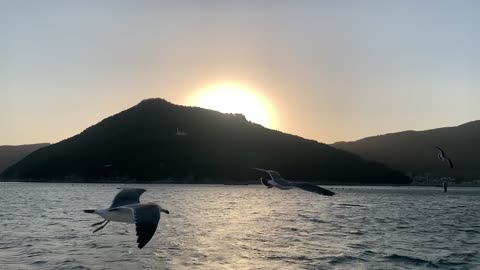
x: 414, y: 151
x: 141, y: 143
x: 11, y: 154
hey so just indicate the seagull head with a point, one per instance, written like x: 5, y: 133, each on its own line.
x: 163, y: 210
x: 265, y: 182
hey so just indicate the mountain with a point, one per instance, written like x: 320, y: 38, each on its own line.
x: 11, y: 154
x: 414, y: 151
x: 142, y: 144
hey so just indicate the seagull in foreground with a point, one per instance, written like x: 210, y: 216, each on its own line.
x: 442, y: 157
x: 276, y: 180
x: 181, y: 133
x: 126, y: 207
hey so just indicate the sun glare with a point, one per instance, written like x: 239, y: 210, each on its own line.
x: 234, y: 98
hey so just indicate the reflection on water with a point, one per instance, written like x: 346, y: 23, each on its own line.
x: 243, y: 227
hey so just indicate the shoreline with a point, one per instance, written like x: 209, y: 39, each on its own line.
x: 224, y: 184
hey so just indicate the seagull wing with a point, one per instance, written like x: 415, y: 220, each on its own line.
x: 275, y: 176
x: 450, y: 163
x: 441, y: 151
x: 127, y: 196
x: 312, y: 188
x: 146, y: 217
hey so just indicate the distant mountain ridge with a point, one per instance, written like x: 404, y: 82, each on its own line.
x: 414, y: 151
x: 141, y: 143
x: 11, y: 154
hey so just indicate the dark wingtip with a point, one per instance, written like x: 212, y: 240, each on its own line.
x: 328, y: 193
x: 89, y: 211
x: 141, y: 244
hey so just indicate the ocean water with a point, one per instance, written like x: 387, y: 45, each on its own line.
x: 42, y: 226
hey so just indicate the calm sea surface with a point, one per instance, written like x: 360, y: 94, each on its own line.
x: 42, y: 226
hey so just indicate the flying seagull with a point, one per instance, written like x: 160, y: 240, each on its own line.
x: 442, y: 157
x: 126, y: 207
x: 276, y: 180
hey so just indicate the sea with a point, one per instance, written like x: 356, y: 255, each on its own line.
x: 43, y: 226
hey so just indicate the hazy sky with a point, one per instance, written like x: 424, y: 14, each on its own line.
x: 333, y: 70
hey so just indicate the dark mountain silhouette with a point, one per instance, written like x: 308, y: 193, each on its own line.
x: 11, y: 154
x: 414, y: 151
x: 142, y: 144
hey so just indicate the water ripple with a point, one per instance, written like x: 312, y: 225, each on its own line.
x: 243, y: 227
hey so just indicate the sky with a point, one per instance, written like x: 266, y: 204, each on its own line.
x: 329, y: 70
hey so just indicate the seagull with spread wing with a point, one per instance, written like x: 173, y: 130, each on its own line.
x: 443, y: 158
x: 276, y: 180
x: 126, y: 207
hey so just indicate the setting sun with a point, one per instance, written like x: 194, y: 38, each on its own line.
x: 234, y: 98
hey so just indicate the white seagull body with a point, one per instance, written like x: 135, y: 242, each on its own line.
x: 126, y: 208
x: 276, y: 180
x: 443, y: 158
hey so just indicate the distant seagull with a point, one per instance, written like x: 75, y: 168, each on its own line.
x: 276, y: 180
x: 126, y: 207
x: 181, y: 133
x: 442, y: 157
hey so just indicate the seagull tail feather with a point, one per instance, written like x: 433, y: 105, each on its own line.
x: 89, y: 211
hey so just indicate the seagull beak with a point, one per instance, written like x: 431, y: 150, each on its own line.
x: 165, y: 211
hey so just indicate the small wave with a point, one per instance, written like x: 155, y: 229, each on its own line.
x: 66, y: 237
x: 445, y: 262
x: 287, y: 258
x: 39, y: 262
x: 474, y: 231
x: 316, y: 220
x: 350, y: 205
x: 344, y: 259
x: 312, y: 219
x: 411, y: 260
x: 291, y: 229
x: 79, y: 267
x: 359, y: 246
x: 458, y: 258
x: 466, y: 254
x: 369, y: 253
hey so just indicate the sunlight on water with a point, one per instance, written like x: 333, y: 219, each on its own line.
x: 243, y: 227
